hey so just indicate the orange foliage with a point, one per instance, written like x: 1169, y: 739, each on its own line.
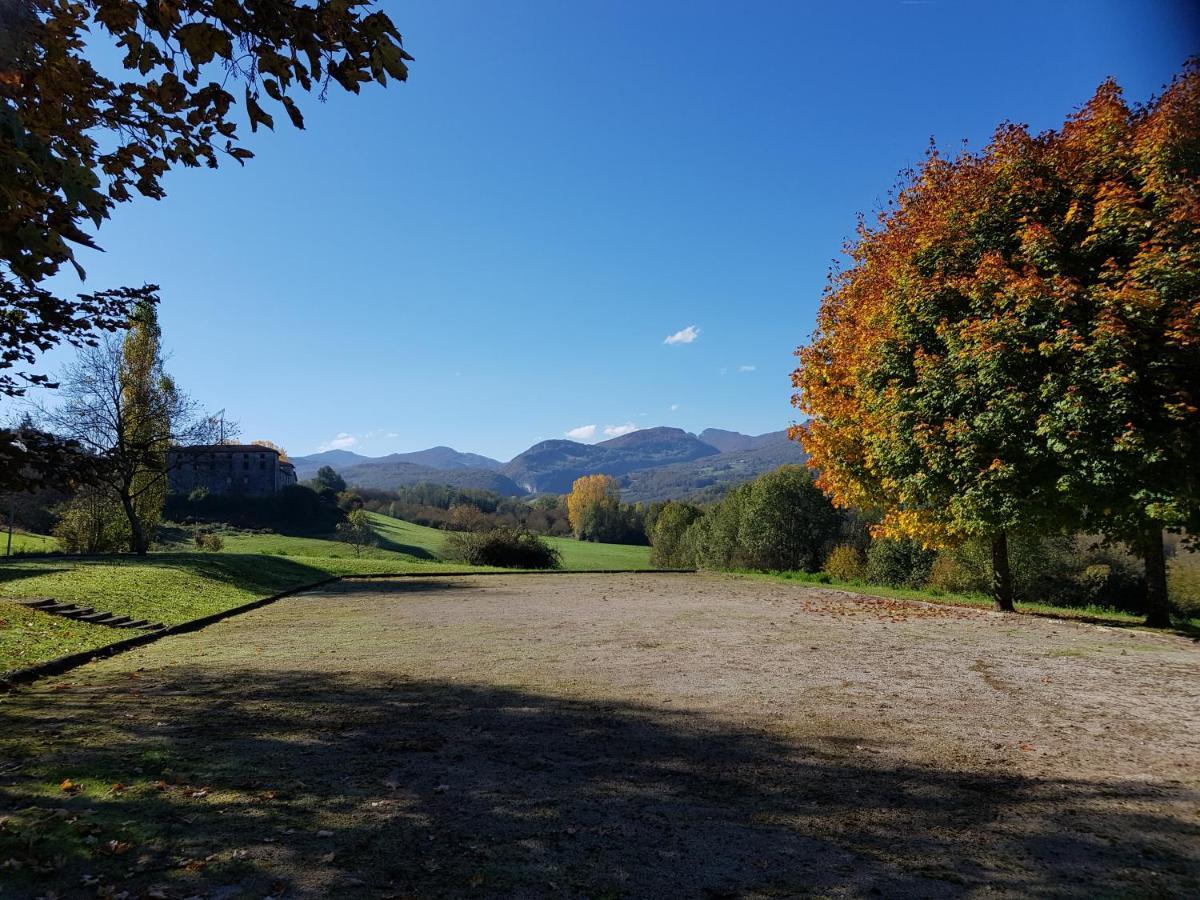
x: 1017, y: 338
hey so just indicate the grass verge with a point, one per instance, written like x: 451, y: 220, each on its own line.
x: 1099, y: 614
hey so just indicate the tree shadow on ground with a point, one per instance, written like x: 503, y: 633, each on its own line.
x: 384, y: 543
x: 198, y: 783
x: 258, y: 573
x: 407, y: 584
x: 16, y: 573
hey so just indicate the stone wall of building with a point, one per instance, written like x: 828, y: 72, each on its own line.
x: 240, y: 469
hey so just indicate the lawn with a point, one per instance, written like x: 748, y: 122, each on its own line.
x: 182, y: 584
x: 24, y: 542
x: 1188, y: 623
x: 405, y: 543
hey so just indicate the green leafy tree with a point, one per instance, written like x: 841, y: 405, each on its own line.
x: 328, y: 482
x: 356, y: 532
x: 669, y: 547
x: 715, y: 537
x: 787, y: 523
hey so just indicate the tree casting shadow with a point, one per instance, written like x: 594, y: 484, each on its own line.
x: 309, y: 784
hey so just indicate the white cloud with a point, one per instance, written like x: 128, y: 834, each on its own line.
x: 683, y: 336
x: 582, y: 433
x: 747, y: 368
x: 674, y: 406
x: 618, y: 430
x: 343, y: 441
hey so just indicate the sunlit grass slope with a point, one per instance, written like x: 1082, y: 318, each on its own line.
x: 183, y: 584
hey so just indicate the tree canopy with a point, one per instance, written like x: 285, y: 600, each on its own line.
x: 1015, y: 345
x: 74, y: 142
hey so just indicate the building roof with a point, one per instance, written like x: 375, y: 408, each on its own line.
x: 226, y: 448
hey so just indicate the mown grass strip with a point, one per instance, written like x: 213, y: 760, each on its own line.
x: 1095, y: 615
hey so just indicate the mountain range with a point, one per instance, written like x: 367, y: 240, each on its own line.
x: 650, y: 464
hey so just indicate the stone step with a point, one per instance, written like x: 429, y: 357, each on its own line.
x: 95, y: 617
x: 114, y: 621
x: 59, y: 609
x: 38, y: 602
x: 89, y: 614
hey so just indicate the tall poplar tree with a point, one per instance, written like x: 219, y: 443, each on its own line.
x: 119, y: 405
x: 148, y: 397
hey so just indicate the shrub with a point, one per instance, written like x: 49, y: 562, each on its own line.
x: 1183, y: 577
x: 91, y: 522
x: 210, y: 543
x: 669, y: 546
x: 899, y: 563
x: 507, y: 547
x: 466, y: 517
x: 1057, y: 569
x: 846, y: 563
x: 956, y: 573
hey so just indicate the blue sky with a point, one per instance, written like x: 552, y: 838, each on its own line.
x: 496, y: 252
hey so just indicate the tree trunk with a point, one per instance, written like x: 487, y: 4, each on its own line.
x: 1158, y: 609
x: 137, y: 535
x: 1002, y: 589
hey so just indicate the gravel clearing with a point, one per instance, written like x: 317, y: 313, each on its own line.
x: 613, y: 736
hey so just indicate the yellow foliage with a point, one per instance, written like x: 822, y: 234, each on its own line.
x: 588, y: 491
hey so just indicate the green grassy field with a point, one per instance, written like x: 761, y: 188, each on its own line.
x: 404, y: 542
x: 23, y: 542
x: 180, y: 584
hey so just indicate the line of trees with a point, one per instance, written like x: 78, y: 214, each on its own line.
x: 783, y: 522
x: 450, y: 508
x: 1015, y: 347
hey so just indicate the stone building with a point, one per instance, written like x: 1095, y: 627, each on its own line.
x: 244, y: 469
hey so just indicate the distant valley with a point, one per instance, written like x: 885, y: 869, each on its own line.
x: 651, y: 464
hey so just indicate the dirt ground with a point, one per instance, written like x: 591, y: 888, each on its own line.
x: 610, y: 736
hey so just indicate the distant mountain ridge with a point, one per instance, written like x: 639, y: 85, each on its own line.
x: 552, y: 466
x: 651, y: 464
x: 388, y: 475
x: 433, y: 458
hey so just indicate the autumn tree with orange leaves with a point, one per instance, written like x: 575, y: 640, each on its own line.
x: 1015, y: 346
